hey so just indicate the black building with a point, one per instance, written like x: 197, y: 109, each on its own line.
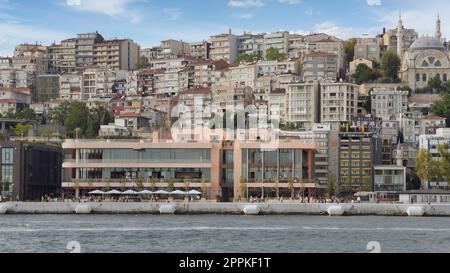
x: 29, y: 170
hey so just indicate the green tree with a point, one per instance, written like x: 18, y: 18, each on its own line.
x: 58, y: 115
x: 427, y: 168
x: 442, y: 107
x: 47, y: 133
x: 273, y: 54
x: 390, y: 64
x: 244, y: 57
x: 77, y: 118
x: 153, y: 183
x: 349, y: 48
x: 436, y: 84
x: 331, y: 191
x: 140, y: 183
x: 26, y: 114
x: 364, y: 74
x: 21, y: 129
x: 444, y: 161
x: 142, y: 63
x: 171, y: 184
x: 291, y: 186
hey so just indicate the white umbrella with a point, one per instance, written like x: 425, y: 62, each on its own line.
x: 129, y: 192
x: 145, y: 192
x: 194, y: 192
x: 114, y: 192
x: 97, y: 192
x: 161, y: 192
x: 178, y: 192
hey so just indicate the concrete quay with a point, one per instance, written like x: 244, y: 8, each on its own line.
x: 436, y: 210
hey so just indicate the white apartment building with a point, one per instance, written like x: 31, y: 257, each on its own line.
x: 302, y: 104
x: 244, y: 75
x: 116, y: 54
x: 70, y: 86
x: 320, y: 66
x: 410, y: 125
x: 277, y: 40
x: 224, y: 47
x: 330, y: 45
x: 431, y: 142
x: 251, y: 44
x: 388, y: 103
x: 296, y: 46
x: 338, y: 103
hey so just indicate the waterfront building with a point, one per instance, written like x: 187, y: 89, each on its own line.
x: 358, y: 153
x: 28, y: 176
x: 326, y: 159
x: 388, y: 103
x: 388, y: 178
x: 226, y: 169
x: 368, y: 49
x: 425, y: 197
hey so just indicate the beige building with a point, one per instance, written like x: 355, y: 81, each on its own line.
x: 116, y: 54
x: 302, y: 104
x: 354, y: 64
x: 215, y: 168
x: 338, y: 103
x: 62, y: 57
x: 224, y: 47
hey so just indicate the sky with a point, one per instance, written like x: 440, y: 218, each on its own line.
x: 150, y: 21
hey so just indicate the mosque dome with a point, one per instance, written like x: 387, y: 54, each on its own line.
x: 427, y: 43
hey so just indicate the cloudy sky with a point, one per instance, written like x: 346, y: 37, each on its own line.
x: 149, y: 21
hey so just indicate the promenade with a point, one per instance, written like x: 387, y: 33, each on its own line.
x: 437, y: 210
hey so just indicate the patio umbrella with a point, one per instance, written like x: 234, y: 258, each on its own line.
x: 114, y: 192
x: 145, y: 192
x: 161, y: 192
x: 129, y: 192
x: 178, y: 192
x: 194, y: 192
x: 97, y: 192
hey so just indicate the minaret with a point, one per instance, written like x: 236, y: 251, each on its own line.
x: 400, y: 36
x: 438, y: 34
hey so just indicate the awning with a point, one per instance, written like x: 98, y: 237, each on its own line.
x: 145, y: 192
x: 129, y: 192
x: 178, y: 192
x: 114, y: 192
x: 97, y: 192
x: 194, y: 192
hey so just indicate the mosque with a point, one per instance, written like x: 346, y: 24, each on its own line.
x: 426, y: 58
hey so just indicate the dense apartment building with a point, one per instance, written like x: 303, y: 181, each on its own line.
x: 116, y: 54
x: 303, y: 104
x: 200, y: 50
x: 277, y: 40
x: 388, y: 103
x: 320, y: 66
x: 338, y: 103
x: 224, y: 47
x: 62, y: 57
x: 84, y: 48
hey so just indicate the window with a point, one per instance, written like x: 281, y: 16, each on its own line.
x: 417, y: 77
x: 424, y: 77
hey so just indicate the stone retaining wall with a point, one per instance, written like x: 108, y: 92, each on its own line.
x: 225, y: 208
